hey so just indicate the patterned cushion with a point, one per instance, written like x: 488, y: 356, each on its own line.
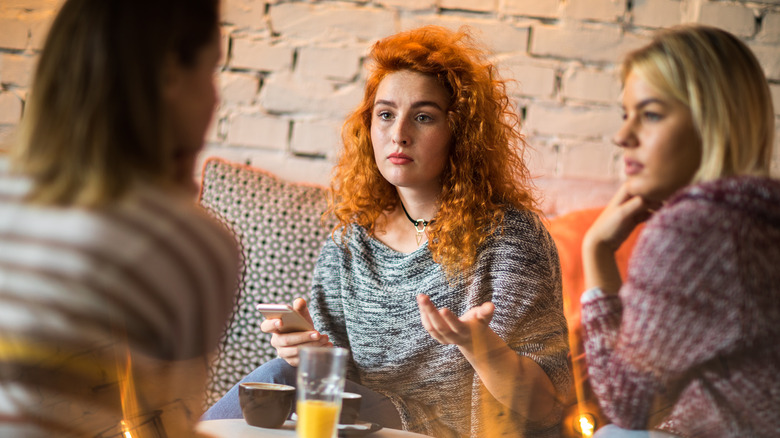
x: 279, y: 226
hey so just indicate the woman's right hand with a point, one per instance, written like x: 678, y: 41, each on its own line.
x: 623, y: 213
x: 287, y: 344
x: 620, y: 217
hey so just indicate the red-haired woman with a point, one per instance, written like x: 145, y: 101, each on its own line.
x: 435, y: 211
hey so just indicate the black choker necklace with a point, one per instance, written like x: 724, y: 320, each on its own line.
x: 417, y: 223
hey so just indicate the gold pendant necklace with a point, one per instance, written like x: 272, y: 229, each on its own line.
x: 417, y: 223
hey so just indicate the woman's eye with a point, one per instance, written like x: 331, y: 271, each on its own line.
x: 384, y: 115
x: 651, y: 116
x: 424, y: 118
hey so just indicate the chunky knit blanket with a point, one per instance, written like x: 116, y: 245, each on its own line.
x: 696, y: 321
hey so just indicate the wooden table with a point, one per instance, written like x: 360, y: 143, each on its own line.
x: 237, y: 428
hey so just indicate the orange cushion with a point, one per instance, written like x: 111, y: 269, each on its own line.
x: 568, y: 231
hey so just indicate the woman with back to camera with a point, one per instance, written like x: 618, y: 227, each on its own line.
x: 696, y: 320
x: 435, y: 210
x: 114, y: 285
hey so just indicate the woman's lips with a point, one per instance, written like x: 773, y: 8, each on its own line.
x: 632, y: 167
x: 399, y: 158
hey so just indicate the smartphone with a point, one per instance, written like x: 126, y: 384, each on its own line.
x: 292, y: 321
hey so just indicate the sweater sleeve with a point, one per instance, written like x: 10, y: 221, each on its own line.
x: 677, y: 310
x: 326, y: 307
x: 522, y: 271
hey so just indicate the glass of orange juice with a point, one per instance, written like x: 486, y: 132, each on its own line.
x: 321, y: 373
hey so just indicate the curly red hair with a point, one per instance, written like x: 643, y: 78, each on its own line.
x: 485, y: 174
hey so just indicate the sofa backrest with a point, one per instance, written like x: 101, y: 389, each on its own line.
x: 279, y: 227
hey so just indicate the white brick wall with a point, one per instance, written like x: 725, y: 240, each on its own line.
x: 292, y: 71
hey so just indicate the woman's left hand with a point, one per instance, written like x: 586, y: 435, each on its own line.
x: 447, y: 328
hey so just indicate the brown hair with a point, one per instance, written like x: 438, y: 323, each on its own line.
x: 94, y: 123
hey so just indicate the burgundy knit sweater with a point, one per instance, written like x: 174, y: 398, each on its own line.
x: 698, y: 318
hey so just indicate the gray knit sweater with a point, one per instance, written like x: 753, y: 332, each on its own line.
x: 363, y: 297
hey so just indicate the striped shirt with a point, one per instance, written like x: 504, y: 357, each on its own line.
x: 108, y: 313
x: 363, y: 297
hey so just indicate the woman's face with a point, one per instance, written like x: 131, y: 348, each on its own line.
x: 410, y: 131
x: 191, y: 97
x: 661, y: 148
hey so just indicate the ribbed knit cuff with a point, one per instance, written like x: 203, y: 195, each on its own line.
x: 592, y: 294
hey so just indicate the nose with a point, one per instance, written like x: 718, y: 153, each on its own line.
x: 625, y: 137
x: 400, y: 135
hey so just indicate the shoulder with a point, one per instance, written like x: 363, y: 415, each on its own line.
x: 720, y: 205
x: 522, y: 234
x: 520, y: 226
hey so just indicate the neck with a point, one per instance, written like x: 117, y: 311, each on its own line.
x: 418, y: 205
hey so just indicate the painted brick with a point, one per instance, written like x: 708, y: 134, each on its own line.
x: 601, y: 10
x: 31, y: 4
x: 735, y: 18
x: 285, y: 94
x: 39, y: 23
x: 17, y: 69
x: 591, y: 160
x: 541, y: 157
x: 409, y: 5
x: 563, y: 195
x: 245, y: 13
x: 7, y: 138
x: 15, y: 32
x: 528, y: 78
x: 469, y: 5
x: 657, y: 13
x: 330, y: 62
x: 284, y: 165
x: 330, y: 22
x: 257, y: 130
x: 770, y: 29
x: 260, y: 55
x: 238, y: 88
x: 216, y: 132
x: 10, y: 109
x: 583, y: 122
x: 588, y: 43
x: 535, y: 8
x: 497, y: 36
x: 316, y: 137
x: 590, y: 85
x: 769, y: 57
x: 774, y: 89
x: 224, y: 42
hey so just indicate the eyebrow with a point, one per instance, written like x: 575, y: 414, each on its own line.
x: 414, y: 105
x: 649, y: 101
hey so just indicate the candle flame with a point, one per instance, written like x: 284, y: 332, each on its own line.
x: 586, y: 426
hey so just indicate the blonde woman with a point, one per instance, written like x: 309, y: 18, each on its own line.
x: 114, y: 286
x: 695, y: 322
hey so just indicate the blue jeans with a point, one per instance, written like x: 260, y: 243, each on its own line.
x: 374, y: 408
x: 612, y: 431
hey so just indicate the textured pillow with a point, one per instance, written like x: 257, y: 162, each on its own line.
x: 279, y: 226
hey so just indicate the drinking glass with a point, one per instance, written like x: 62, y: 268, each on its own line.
x: 320, y: 385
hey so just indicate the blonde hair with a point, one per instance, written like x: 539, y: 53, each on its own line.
x: 717, y: 76
x: 94, y: 122
x: 485, y: 173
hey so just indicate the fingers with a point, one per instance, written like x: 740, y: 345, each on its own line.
x: 299, y: 304
x: 288, y: 345
x: 444, y: 326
